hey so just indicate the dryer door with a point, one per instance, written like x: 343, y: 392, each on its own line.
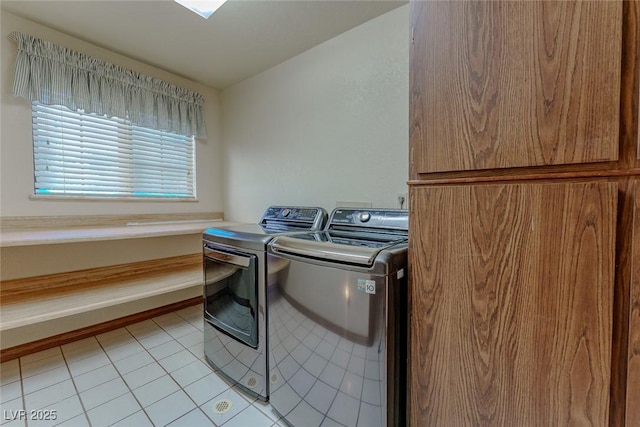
x: 231, y: 293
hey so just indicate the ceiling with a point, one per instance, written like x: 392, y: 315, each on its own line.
x: 241, y: 39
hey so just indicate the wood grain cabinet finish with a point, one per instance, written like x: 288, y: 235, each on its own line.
x: 511, y: 295
x: 633, y: 373
x: 498, y: 84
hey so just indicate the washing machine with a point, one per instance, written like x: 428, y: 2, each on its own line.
x: 337, y: 321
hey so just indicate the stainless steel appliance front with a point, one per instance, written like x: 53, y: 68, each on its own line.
x: 235, y: 273
x: 234, y: 313
x: 337, y: 322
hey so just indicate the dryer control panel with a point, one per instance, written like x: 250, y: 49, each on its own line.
x: 311, y: 218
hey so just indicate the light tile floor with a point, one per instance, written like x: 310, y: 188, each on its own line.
x: 151, y: 373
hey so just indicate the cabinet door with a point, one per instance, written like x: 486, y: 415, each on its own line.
x: 508, y: 84
x: 633, y: 377
x: 511, y: 302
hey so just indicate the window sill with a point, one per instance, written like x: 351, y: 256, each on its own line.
x: 56, y: 198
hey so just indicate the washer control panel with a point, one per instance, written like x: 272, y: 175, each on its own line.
x: 370, y: 218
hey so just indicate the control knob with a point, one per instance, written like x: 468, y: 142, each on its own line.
x: 364, y: 216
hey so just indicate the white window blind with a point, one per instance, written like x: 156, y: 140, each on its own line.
x: 78, y: 154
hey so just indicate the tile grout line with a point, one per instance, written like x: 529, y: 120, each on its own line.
x: 123, y: 380
x: 232, y: 387
x: 22, y: 390
x: 75, y: 387
x: 120, y: 375
x: 24, y: 399
x: 169, y: 374
x: 157, y: 360
x: 127, y: 384
x: 102, y: 347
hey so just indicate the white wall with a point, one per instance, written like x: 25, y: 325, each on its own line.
x: 328, y: 125
x: 16, y: 158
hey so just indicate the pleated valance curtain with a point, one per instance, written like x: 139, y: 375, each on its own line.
x: 54, y: 75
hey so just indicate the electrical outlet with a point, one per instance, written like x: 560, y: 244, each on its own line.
x: 402, y: 200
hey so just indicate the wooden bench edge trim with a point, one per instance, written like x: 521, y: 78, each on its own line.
x: 18, y: 290
x: 89, y: 331
x: 7, y: 325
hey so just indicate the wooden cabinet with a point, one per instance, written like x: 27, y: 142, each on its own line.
x: 512, y: 84
x: 524, y: 253
x: 633, y: 376
x: 511, y: 295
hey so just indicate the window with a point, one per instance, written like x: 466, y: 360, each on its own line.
x: 78, y: 154
x: 82, y: 145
